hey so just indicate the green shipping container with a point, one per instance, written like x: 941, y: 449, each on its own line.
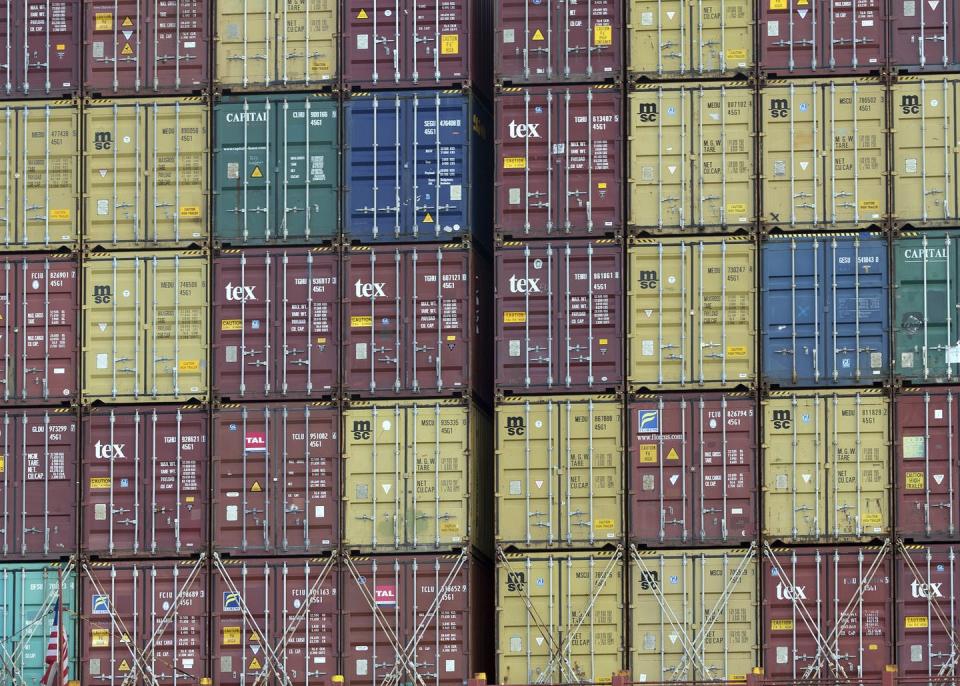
x: 276, y: 161
x: 28, y: 595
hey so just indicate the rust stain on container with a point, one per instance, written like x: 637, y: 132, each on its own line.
x: 41, y: 42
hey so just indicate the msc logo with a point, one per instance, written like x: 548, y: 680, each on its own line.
x: 781, y: 419
x: 102, y: 140
x: 515, y: 426
x: 647, y: 279
x: 649, y: 580
x: 648, y: 421
x: 362, y: 430
x: 787, y: 593
x: 516, y: 582
x: 102, y: 294
x: 910, y: 104
x: 231, y: 601
x: 779, y: 108
x: 101, y: 605
x: 648, y: 111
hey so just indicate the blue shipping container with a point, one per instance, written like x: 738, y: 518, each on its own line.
x: 415, y: 166
x: 824, y: 318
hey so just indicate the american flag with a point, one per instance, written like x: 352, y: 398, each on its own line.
x: 57, y: 650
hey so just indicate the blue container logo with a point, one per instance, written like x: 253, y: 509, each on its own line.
x: 231, y: 601
x: 649, y: 421
x: 101, y: 605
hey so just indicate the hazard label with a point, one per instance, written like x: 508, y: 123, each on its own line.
x: 103, y: 21
x: 538, y: 35
x: 362, y: 14
x: 255, y: 664
x: 256, y: 173
x: 124, y: 667
x: 256, y: 488
x: 428, y: 219
x: 126, y: 50
x: 253, y: 638
x: 127, y: 22
x: 672, y: 455
x: 231, y: 635
x: 3, y: 464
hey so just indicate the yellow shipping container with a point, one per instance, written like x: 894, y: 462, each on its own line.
x: 826, y: 466
x: 145, y: 327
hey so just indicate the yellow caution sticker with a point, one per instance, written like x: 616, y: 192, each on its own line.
x: 362, y: 322
x: 124, y: 667
x: 3, y: 464
x: 256, y: 487
x: 873, y: 518
x: 538, y: 35
x: 781, y: 625
x: 602, y: 185
x: 736, y: 677
x: 99, y: 483
x: 231, y: 635
x: 127, y: 22
x: 257, y: 173
x: 873, y: 646
x: 189, y: 499
x: 602, y: 35
x: 362, y: 14
x: 915, y: 481
x: 603, y: 341
x: 802, y: 3
x: 127, y: 50
x: 514, y: 162
x: 915, y: 622
x: 231, y: 325
x: 103, y: 21
x: 451, y: 339
x: 100, y: 638
x: 778, y: 4
x: 736, y: 208
x: 736, y: 351
x: 60, y: 214
x: 514, y: 317
x: 736, y: 54
x: 61, y: 47
x: 428, y: 219
x: 603, y: 524
x: 189, y: 212
x: 255, y: 664
x: 449, y: 527
x: 449, y: 44
x: 647, y: 454
x: 189, y: 365
x: 869, y: 205
x: 672, y: 455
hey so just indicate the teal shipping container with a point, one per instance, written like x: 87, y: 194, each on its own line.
x: 276, y: 167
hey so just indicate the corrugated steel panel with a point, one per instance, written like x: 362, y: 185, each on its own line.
x: 413, y: 476
x: 823, y: 154
x: 267, y: 44
x: 146, y: 321
x: 826, y: 466
x: 694, y: 469
x: 559, y: 472
x: 928, y: 582
x: 825, y: 310
x: 923, y: 36
x: 691, y: 314
x: 141, y: 47
x: 41, y: 45
x: 146, y: 173
x: 276, y: 323
x: 276, y: 478
x: 689, y: 40
x: 559, y: 165
x: 412, y: 161
x: 277, y: 169
x: 691, y: 157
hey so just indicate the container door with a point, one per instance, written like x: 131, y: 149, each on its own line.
x: 796, y: 613
x: 9, y: 162
x: 441, y: 640
x: 860, y: 593
x: 245, y: 159
x: 854, y: 36
x: 307, y: 639
x: 29, y: 594
x: 375, y: 598
x: 789, y: 36
x: 590, y: 630
x: 8, y: 339
x: 368, y: 25
x: 245, y: 36
x: 928, y: 579
x: 728, y: 580
x: 659, y: 39
x: 723, y: 42
x: 664, y: 616
x: 528, y: 618
x: 120, y: 47
x: 175, y: 612
x: 306, y: 42
x: 48, y: 63
x: 922, y: 34
x: 241, y: 613
x: 180, y: 49
x: 439, y: 43
x: 528, y: 42
x: 111, y: 601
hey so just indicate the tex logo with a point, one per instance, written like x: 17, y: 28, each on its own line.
x: 231, y: 601
x: 100, y: 605
x: 648, y: 421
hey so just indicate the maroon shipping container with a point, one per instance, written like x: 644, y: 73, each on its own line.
x: 413, y: 617
x: 38, y: 472
x: 538, y: 42
x: 276, y: 323
x: 924, y: 36
x: 275, y: 622
x: 39, y: 330
x: 416, y: 322
x: 559, y: 163
x: 928, y: 463
x: 146, y: 47
x: 559, y: 317
x: 145, y: 483
x: 693, y: 469
x: 144, y: 622
x: 822, y: 37
x: 39, y: 47
x: 276, y: 478
x: 827, y: 612
x: 928, y: 610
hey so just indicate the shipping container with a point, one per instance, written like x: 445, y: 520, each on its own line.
x: 39, y: 327
x: 928, y: 583
x: 691, y: 315
x: 927, y: 453
x: 560, y: 617
x: 146, y: 47
x: 559, y: 472
x: 694, y: 469
x: 145, y: 173
x: 704, y: 39
x: 925, y: 281
x: 827, y: 613
x: 559, y: 166
x: 275, y: 44
x: 693, y: 615
x: 145, y: 482
x: 433, y: 44
x: 924, y: 153
x: 276, y: 323
x: 823, y: 38
x: 416, y: 322
x: 691, y: 158
x: 825, y: 310
x: 826, y: 466
x: 145, y: 622
x: 41, y: 45
x: 414, y: 162
x: 576, y: 42
x: 276, y: 478
x: 38, y: 477
x: 274, y: 621
x: 145, y: 331
x: 28, y: 596
x: 823, y: 154
x: 40, y: 183
x: 415, y: 476
x: 923, y: 36
x: 415, y: 619
x: 277, y: 169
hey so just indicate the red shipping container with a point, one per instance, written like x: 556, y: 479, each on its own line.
x: 559, y: 317
x: 928, y: 610
x: 146, y: 47
x: 276, y: 323
x: 38, y: 473
x: 559, y: 167
x: 539, y: 42
x: 416, y: 322
x: 276, y: 478
x: 693, y: 469
x: 145, y: 483
x: 822, y: 37
x: 40, y: 45
x: 275, y: 622
x: 144, y: 622
x: 827, y: 613
x: 924, y: 36
x: 409, y: 616
x: 928, y: 463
